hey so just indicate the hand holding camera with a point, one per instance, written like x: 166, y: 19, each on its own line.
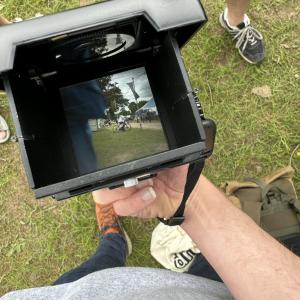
x: 157, y: 197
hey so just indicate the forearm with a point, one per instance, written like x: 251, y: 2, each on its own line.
x: 251, y: 263
x: 3, y: 21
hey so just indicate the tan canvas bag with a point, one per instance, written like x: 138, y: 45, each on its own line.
x: 271, y: 201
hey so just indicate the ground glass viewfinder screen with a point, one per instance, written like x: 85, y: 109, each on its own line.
x: 113, y: 120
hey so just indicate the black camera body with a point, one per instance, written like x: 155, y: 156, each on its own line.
x: 63, y: 69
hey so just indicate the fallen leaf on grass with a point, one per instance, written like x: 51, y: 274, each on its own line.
x: 297, y: 76
x: 285, y: 46
x: 263, y: 91
x: 258, y: 168
x: 85, y: 2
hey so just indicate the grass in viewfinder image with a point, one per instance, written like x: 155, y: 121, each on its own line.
x: 42, y: 239
x: 124, y: 146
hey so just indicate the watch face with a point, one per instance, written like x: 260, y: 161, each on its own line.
x: 89, y: 47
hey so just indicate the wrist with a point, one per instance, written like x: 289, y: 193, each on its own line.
x: 192, y: 205
x: 203, y: 206
x: 200, y: 199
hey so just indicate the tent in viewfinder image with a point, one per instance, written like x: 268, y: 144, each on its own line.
x: 150, y: 105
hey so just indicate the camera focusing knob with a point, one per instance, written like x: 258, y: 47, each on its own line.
x: 199, y: 107
x: 195, y: 91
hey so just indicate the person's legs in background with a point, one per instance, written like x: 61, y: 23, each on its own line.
x: 248, y: 40
x: 112, y: 251
x: 123, y: 126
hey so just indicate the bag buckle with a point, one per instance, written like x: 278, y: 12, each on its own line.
x: 271, y: 198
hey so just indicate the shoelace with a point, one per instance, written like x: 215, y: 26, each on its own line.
x: 251, y: 34
x: 109, y: 223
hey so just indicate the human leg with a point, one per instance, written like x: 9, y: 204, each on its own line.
x: 236, y: 11
x: 201, y: 267
x: 248, y: 40
x: 112, y: 251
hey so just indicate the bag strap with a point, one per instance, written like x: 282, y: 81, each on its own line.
x: 194, y: 172
x: 262, y: 186
x: 265, y: 190
x: 255, y: 180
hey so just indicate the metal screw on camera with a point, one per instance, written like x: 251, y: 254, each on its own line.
x: 14, y: 139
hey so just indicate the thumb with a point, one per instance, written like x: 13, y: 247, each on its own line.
x: 136, y: 202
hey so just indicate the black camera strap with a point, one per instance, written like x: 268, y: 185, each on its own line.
x: 194, y: 172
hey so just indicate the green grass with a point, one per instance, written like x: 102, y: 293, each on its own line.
x: 39, y: 242
x: 116, y: 148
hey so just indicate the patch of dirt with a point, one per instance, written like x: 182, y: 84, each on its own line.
x: 263, y: 91
x: 223, y: 60
x: 271, y: 12
x: 241, y: 67
x: 216, y: 30
x: 286, y: 11
x: 254, y: 167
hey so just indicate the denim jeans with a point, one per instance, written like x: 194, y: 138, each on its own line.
x: 83, y: 101
x: 111, y: 253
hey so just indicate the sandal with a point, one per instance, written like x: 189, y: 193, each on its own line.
x: 4, y: 127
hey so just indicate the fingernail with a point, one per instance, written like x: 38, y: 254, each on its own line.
x: 148, y: 194
x: 144, y: 183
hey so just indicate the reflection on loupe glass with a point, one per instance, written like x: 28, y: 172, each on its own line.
x: 90, y: 47
x: 113, y: 120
